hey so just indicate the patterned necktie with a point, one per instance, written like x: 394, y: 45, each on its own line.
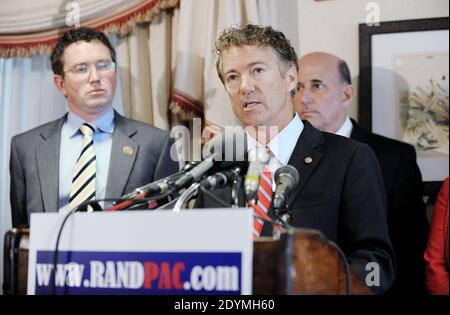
x: 83, y: 182
x: 264, y: 198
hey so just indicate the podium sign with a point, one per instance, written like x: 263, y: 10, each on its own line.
x: 143, y: 252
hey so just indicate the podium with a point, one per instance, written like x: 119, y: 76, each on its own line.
x: 302, y: 261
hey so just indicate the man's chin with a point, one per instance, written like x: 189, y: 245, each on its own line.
x: 252, y: 122
x: 99, y: 105
x: 307, y: 115
x: 311, y: 117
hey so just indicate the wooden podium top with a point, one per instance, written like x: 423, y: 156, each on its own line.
x: 314, y: 264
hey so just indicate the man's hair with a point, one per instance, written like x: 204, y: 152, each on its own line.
x: 254, y: 35
x: 85, y: 34
x: 344, y: 72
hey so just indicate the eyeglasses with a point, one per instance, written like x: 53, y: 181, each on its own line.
x: 102, y: 66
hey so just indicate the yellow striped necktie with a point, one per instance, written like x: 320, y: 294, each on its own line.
x: 83, y: 181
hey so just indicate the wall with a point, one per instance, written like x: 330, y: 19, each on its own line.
x: 287, y: 21
x: 332, y: 25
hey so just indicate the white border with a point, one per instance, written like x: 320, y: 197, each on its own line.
x: 384, y: 120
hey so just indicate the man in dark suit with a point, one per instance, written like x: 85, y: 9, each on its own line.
x: 59, y: 165
x: 340, y: 191
x: 324, y: 93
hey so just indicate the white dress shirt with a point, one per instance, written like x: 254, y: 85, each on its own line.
x: 281, y: 146
x: 70, y: 148
x: 346, y: 128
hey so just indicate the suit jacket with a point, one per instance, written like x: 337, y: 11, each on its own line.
x: 340, y: 193
x: 34, y: 164
x: 407, y: 221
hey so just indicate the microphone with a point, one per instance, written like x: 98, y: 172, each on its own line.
x: 189, y: 165
x: 195, y: 174
x: 229, y: 146
x: 257, y: 157
x: 221, y: 179
x: 286, y: 178
x: 160, y: 186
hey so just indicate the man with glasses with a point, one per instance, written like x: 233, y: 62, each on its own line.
x: 92, y: 152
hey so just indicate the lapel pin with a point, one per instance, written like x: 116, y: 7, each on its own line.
x: 127, y: 150
x: 308, y: 160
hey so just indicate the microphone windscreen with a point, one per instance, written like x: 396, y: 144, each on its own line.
x: 290, y: 171
x: 226, y: 165
x: 189, y: 166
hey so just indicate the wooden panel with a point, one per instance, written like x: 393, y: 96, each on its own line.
x: 15, y: 264
x: 316, y: 266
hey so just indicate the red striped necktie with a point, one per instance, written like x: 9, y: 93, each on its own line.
x: 264, y: 199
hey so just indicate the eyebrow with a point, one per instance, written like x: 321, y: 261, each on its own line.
x: 84, y: 63
x: 248, y: 66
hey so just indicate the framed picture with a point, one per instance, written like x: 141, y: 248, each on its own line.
x: 403, y: 88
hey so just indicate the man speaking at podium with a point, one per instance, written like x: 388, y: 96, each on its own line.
x: 92, y: 152
x: 340, y: 191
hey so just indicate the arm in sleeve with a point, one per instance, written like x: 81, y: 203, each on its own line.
x: 408, y: 224
x: 166, y: 164
x: 17, y: 188
x: 363, y: 230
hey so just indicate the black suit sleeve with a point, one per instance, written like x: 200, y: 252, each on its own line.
x: 408, y: 223
x: 17, y: 189
x: 363, y: 232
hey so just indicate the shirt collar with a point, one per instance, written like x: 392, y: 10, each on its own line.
x: 283, y: 144
x: 104, y: 123
x: 346, y: 128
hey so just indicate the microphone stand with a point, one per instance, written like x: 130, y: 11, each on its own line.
x: 284, y: 218
x: 169, y: 205
x: 187, y: 195
x: 235, y: 188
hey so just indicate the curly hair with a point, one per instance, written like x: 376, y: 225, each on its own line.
x: 86, y: 34
x: 255, y: 35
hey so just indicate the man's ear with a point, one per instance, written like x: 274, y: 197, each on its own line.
x: 347, y: 95
x: 60, y: 83
x: 292, y: 78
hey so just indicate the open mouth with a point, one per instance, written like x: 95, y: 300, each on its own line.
x: 250, y: 105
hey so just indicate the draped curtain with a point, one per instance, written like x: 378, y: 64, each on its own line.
x: 32, y: 27
x: 145, y: 67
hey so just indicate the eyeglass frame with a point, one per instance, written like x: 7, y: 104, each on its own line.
x: 89, y: 71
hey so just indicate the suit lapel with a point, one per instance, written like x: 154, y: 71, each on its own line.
x: 122, y: 158
x: 47, y: 156
x: 305, y: 157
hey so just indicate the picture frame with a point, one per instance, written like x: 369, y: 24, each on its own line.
x: 402, y: 63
